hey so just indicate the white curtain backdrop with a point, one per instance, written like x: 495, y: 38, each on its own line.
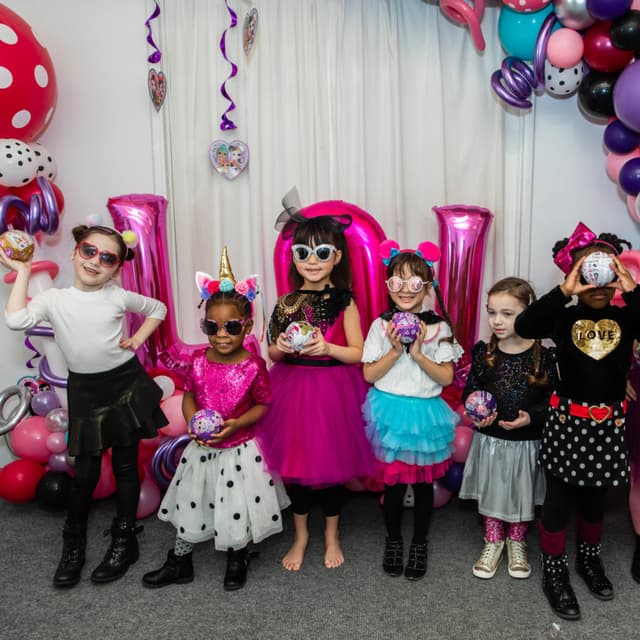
x: 385, y: 104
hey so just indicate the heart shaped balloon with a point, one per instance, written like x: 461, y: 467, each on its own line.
x: 249, y: 30
x: 157, y: 82
x: 229, y: 159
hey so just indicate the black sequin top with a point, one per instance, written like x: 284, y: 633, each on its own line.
x: 508, y: 382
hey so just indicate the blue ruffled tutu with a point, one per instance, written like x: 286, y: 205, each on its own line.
x: 416, y: 431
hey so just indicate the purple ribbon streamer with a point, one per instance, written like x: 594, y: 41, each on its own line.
x: 227, y: 124
x: 35, y: 356
x: 156, y: 56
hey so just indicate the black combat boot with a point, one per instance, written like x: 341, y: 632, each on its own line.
x: 74, y: 542
x: 392, y: 561
x: 557, y: 587
x: 589, y: 567
x: 236, y: 574
x: 121, y: 554
x: 176, y: 570
x: 417, y: 563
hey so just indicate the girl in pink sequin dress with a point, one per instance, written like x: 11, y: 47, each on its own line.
x: 221, y: 490
x: 313, y: 433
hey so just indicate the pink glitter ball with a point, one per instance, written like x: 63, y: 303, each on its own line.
x: 205, y: 423
x: 407, y: 325
x: 479, y: 405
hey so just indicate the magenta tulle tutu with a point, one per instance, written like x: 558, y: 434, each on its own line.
x: 313, y: 433
x: 632, y: 433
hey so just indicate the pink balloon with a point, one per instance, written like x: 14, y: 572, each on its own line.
x: 29, y: 439
x: 631, y: 260
x: 470, y: 14
x: 57, y: 442
x: 565, y: 48
x: 19, y: 479
x: 462, y: 442
x: 615, y: 161
x: 464, y: 418
x: 441, y: 495
x: 172, y: 408
x: 463, y: 232
x: 633, y: 206
x: 107, y: 483
x: 150, y: 497
x: 367, y: 270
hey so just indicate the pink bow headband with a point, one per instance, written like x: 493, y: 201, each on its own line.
x: 428, y: 251
x: 581, y: 237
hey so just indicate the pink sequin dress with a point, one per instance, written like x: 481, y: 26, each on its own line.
x: 225, y: 493
x: 313, y: 433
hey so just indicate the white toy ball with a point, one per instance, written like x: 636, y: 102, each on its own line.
x: 596, y: 269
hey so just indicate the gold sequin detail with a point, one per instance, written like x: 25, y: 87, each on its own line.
x: 596, y: 339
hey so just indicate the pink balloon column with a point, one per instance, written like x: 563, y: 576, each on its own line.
x: 363, y: 238
x: 463, y: 232
x: 149, y: 274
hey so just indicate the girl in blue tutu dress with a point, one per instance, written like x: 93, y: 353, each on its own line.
x: 313, y: 434
x: 409, y: 425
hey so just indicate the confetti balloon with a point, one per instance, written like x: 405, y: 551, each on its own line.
x: 479, y: 405
x: 205, y: 424
x: 298, y: 334
x: 407, y: 325
x: 596, y: 269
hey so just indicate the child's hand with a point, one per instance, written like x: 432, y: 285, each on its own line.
x: 132, y: 343
x: 317, y: 346
x: 481, y: 424
x: 392, y: 334
x: 415, y: 350
x: 14, y: 265
x: 229, y: 427
x: 284, y: 345
x: 522, y: 420
x: 572, y: 285
x: 625, y: 281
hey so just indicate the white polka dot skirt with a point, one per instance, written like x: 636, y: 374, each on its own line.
x: 582, y: 451
x: 225, y: 495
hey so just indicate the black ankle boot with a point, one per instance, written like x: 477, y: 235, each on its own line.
x: 74, y: 542
x: 121, y: 554
x: 589, y: 567
x: 176, y: 570
x: 417, y: 563
x: 635, y: 564
x: 236, y: 574
x: 392, y: 561
x: 557, y: 587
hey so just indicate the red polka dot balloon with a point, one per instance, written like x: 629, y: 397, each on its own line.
x: 28, y: 87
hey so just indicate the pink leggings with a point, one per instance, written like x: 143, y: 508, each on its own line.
x: 494, y: 530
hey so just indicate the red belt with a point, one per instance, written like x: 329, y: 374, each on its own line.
x: 597, y: 412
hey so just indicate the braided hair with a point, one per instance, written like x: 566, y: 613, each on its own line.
x: 230, y: 297
x: 523, y: 292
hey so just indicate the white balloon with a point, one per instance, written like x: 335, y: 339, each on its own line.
x: 46, y: 164
x: 18, y: 164
x: 167, y: 385
x: 560, y: 81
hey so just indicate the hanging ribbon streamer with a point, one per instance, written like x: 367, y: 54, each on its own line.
x: 156, y: 56
x: 35, y: 356
x: 227, y: 124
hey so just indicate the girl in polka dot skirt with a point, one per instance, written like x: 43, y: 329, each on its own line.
x: 583, y: 448
x: 221, y: 490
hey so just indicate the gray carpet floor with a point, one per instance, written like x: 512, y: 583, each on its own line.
x: 355, y: 601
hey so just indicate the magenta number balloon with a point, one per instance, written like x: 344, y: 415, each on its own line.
x: 149, y: 274
x: 367, y: 271
x: 463, y: 232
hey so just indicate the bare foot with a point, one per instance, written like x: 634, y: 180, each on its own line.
x: 333, y: 556
x: 293, y: 560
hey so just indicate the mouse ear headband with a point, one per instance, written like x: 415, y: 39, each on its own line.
x: 428, y: 251
x: 290, y: 217
x: 581, y: 237
x: 226, y: 282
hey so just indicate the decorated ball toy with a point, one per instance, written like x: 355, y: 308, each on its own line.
x: 17, y: 245
x: 480, y: 405
x: 205, y: 424
x: 298, y: 334
x: 596, y: 269
x: 407, y: 325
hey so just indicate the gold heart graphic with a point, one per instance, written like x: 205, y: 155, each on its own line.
x: 596, y: 339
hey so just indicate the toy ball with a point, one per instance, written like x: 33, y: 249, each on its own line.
x: 407, y: 325
x: 479, y: 405
x: 205, y: 424
x: 596, y: 269
x: 299, y: 334
x: 17, y: 246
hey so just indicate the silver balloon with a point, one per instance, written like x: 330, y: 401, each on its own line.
x: 18, y: 411
x: 573, y: 13
x: 57, y: 420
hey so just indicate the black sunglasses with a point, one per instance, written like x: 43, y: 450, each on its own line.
x: 232, y: 327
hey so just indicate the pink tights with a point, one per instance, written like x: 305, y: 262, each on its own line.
x: 494, y: 530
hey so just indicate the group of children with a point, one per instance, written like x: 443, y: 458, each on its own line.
x: 344, y: 407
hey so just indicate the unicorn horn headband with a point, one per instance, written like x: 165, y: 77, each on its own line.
x: 226, y: 282
x: 581, y: 237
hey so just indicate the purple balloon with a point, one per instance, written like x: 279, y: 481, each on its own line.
x: 629, y: 177
x: 618, y: 138
x: 626, y: 96
x: 607, y: 9
x: 44, y: 401
x: 58, y: 462
x: 38, y: 215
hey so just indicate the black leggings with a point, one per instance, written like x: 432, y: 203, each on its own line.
x: 422, y: 510
x: 124, y: 462
x: 560, y: 497
x: 303, y: 498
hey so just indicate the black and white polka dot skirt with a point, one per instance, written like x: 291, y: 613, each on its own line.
x: 225, y: 495
x: 583, y: 452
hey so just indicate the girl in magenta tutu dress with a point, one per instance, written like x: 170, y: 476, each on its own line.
x: 221, y: 490
x: 408, y: 356
x: 313, y: 433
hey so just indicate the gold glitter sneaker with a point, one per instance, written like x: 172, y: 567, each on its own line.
x: 491, y: 556
x: 518, y: 560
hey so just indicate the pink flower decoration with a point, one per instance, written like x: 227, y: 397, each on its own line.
x: 242, y: 288
x: 213, y: 287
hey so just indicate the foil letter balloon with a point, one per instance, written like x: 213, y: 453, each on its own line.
x: 462, y: 238
x: 364, y: 236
